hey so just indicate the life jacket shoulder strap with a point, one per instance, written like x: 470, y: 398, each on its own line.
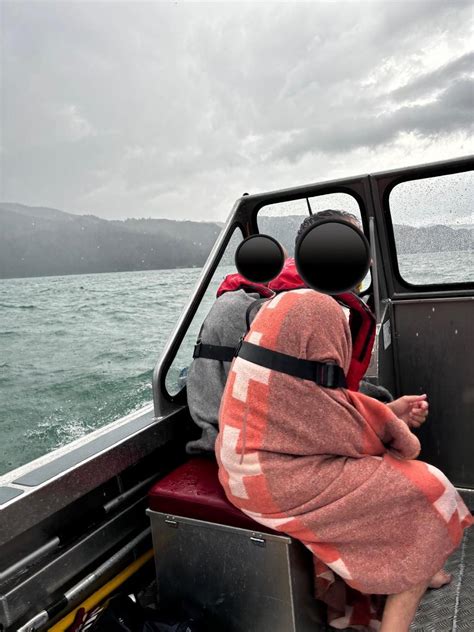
x: 220, y: 352
x: 257, y: 303
x: 213, y: 352
x: 325, y: 374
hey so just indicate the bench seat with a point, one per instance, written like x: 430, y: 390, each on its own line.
x: 193, y: 490
x: 214, y: 562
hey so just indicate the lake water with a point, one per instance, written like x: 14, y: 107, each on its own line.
x: 77, y: 352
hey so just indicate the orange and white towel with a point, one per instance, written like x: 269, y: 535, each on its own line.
x: 333, y: 468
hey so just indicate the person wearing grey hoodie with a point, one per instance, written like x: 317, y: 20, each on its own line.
x: 223, y: 326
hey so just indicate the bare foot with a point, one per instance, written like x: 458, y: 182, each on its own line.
x: 441, y: 578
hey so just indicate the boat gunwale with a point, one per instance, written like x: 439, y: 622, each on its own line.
x: 125, y: 443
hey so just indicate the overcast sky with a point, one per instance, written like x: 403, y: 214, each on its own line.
x: 174, y: 110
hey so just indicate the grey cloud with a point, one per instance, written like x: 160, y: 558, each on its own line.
x: 125, y: 109
x: 434, y: 81
x: 451, y: 112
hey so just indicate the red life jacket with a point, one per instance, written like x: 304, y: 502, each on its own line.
x: 361, y: 321
x: 234, y: 282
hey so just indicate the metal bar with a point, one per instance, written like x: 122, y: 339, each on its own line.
x: 78, y: 591
x: 119, y: 500
x: 375, y: 275
x: 427, y: 299
x: 30, y: 558
x: 162, y: 405
x: 36, y: 623
x: 99, y: 596
x: 384, y: 244
x: 459, y: 584
x: 453, y: 165
x: 395, y: 347
x: 56, y: 572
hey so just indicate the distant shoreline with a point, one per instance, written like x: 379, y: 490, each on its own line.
x: 85, y: 274
x: 199, y: 268
x: 40, y: 242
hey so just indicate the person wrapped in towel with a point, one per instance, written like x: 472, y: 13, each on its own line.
x: 361, y: 318
x: 226, y: 323
x: 336, y: 469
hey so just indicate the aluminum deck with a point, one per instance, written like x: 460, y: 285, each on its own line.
x: 451, y: 608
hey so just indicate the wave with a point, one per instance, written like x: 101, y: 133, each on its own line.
x: 10, y: 306
x: 112, y: 355
x: 76, y: 357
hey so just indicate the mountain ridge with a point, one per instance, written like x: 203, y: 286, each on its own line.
x: 42, y: 241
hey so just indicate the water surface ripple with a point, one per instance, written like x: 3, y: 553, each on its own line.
x: 77, y: 352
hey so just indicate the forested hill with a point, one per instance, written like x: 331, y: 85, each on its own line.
x: 38, y: 241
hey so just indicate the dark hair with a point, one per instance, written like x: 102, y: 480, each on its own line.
x: 327, y: 214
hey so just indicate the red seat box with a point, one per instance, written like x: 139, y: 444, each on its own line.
x: 193, y: 490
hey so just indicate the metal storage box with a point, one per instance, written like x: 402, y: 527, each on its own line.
x: 240, y: 580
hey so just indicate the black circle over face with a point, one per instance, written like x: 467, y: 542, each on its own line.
x: 259, y: 258
x: 332, y: 256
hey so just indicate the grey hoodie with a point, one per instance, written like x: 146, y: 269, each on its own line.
x: 224, y: 325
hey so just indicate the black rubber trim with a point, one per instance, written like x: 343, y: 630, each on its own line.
x: 47, y: 471
x: 57, y: 607
x: 7, y: 493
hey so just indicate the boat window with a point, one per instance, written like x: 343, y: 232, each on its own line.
x: 176, y: 375
x: 283, y: 219
x: 433, y: 229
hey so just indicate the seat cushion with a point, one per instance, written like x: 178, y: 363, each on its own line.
x: 193, y: 490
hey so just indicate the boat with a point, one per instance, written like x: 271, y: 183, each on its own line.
x: 75, y: 524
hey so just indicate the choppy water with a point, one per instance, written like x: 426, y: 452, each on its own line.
x: 77, y: 352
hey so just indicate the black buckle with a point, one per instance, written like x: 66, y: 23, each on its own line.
x: 197, y: 349
x: 326, y: 374
x: 331, y: 375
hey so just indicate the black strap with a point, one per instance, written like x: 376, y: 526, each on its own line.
x: 219, y: 352
x: 258, y: 302
x: 324, y: 374
x: 213, y: 352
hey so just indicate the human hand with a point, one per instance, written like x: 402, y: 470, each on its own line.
x: 412, y: 409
